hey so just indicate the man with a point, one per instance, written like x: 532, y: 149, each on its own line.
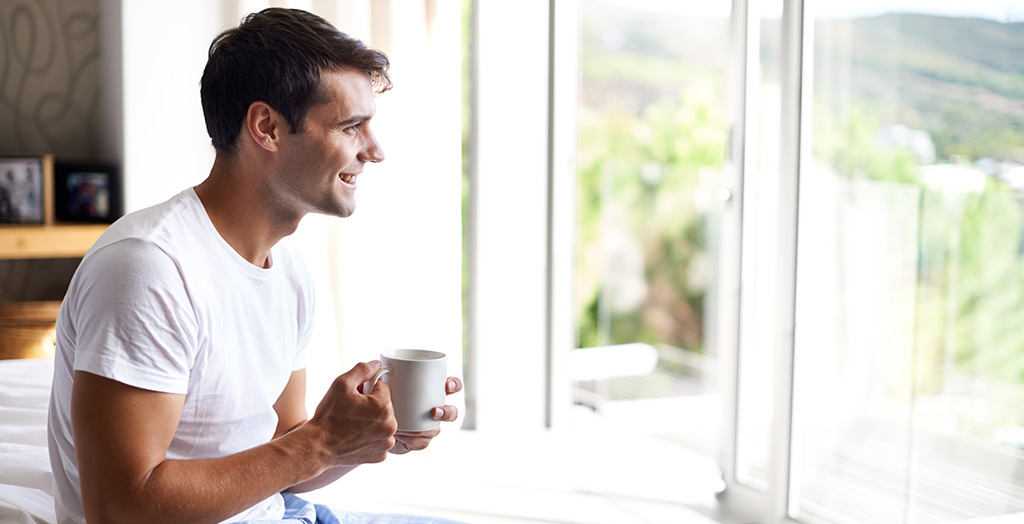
x: 179, y: 381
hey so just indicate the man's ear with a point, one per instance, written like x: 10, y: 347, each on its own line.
x: 264, y: 125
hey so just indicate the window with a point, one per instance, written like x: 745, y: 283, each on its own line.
x: 807, y: 273
x: 652, y: 148
x: 909, y: 358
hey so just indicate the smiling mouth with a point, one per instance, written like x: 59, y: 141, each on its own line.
x: 348, y: 179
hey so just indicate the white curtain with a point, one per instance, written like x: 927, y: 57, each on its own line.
x: 390, y: 275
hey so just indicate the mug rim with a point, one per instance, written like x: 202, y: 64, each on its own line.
x: 422, y: 355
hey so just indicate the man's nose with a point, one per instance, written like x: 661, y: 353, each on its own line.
x: 372, y: 152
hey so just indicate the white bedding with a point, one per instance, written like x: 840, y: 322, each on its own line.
x: 26, y: 483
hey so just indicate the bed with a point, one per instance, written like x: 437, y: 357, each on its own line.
x: 502, y: 487
x: 26, y: 483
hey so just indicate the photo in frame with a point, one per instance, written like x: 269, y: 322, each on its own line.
x: 86, y: 192
x: 21, y: 190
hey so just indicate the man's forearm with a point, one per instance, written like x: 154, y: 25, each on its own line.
x: 328, y: 476
x: 122, y: 435
x: 210, y: 490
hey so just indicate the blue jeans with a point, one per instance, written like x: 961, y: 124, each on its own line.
x: 300, y: 511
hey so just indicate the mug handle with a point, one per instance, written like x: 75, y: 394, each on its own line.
x: 372, y: 383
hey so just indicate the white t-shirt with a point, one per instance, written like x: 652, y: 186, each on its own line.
x: 162, y: 302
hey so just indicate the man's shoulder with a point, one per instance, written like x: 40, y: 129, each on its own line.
x: 159, y: 225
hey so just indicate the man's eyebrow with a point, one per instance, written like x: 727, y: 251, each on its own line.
x: 353, y: 120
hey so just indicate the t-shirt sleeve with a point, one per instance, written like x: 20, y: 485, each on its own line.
x: 133, y: 319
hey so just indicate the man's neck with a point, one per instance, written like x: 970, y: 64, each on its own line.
x: 231, y: 197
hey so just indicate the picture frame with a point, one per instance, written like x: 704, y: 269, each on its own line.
x: 22, y: 190
x: 87, y: 192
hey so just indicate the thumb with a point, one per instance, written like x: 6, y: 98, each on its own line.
x: 361, y: 375
x: 364, y: 370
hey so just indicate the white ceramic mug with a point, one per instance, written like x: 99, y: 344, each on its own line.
x: 417, y: 380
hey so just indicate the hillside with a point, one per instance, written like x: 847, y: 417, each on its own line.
x: 959, y: 79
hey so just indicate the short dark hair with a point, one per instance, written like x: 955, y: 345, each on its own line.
x: 277, y: 56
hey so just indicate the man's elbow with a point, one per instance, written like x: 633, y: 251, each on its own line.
x: 111, y: 506
x: 107, y: 511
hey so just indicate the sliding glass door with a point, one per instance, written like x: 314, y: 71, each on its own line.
x: 800, y: 257
x: 909, y: 352
x: 652, y: 149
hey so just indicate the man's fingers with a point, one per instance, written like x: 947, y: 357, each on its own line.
x: 453, y: 385
x: 407, y: 443
x: 445, y: 413
x: 361, y: 375
x: 382, y: 391
x: 364, y: 370
x: 408, y: 435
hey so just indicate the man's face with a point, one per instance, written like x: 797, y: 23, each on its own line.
x: 320, y: 165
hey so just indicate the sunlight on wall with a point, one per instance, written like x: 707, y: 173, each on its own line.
x: 166, y: 148
x: 394, y: 267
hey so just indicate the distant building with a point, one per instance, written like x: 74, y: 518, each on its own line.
x: 919, y: 142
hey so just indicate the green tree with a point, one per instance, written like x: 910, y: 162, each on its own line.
x: 642, y: 174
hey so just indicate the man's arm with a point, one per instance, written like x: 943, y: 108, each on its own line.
x: 291, y: 414
x: 122, y: 435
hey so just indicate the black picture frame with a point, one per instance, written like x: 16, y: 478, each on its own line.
x: 87, y: 192
x: 22, y: 190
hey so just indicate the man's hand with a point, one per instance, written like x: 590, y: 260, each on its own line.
x: 407, y: 441
x: 356, y: 428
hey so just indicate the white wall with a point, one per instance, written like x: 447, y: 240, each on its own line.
x: 163, y: 52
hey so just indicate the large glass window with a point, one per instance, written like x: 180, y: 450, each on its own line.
x: 652, y: 135
x: 909, y: 351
